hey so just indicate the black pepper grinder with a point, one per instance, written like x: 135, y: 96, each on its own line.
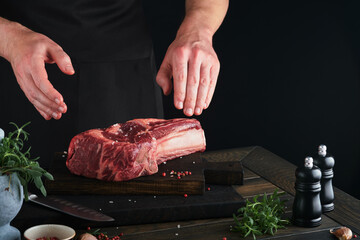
x: 326, y: 163
x: 307, y: 205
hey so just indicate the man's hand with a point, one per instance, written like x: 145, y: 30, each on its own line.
x: 192, y: 63
x: 191, y: 60
x: 28, y: 51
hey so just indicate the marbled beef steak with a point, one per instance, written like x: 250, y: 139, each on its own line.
x: 129, y: 150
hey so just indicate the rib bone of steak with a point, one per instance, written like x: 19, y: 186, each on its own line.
x: 133, y: 149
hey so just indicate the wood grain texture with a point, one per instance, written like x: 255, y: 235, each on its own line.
x: 282, y: 174
x: 220, y: 171
x: 248, y: 174
x: 214, y: 229
x: 255, y: 186
x: 272, y: 168
x: 263, y: 172
x: 230, y: 155
x: 153, y: 185
x: 226, y: 172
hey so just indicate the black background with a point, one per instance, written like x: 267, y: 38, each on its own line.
x: 289, y: 79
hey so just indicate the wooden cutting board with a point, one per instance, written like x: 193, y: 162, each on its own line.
x: 202, y: 170
x: 219, y: 201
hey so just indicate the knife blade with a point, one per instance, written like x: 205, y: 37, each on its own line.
x: 70, y: 208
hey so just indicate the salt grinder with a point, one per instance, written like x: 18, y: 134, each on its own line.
x: 307, y: 205
x: 326, y: 163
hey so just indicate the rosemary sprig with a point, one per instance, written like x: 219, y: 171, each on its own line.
x: 260, y: 217
x: 13, y: 159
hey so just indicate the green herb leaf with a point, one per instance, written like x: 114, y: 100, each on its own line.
x: 260, y: 217
x: 13, y: 159
x: 49, y: 176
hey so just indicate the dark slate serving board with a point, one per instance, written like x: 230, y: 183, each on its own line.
x: 220, y: 201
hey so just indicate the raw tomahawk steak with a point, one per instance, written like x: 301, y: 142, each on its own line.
x: 129, y: 150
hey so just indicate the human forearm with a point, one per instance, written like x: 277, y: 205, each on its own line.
x: 191, y: 60
x: 6, y: 28
x: 203, y: 17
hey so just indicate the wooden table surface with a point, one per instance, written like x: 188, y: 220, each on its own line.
x: 264, y: 172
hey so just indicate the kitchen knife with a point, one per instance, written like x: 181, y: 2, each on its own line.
x: 70, y: 208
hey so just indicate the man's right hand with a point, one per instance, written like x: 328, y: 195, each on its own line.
x: 28, y: 51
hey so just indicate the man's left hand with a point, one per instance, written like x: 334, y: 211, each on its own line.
x: 194, y: 67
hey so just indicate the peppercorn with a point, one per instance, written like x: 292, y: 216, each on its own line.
x: 208, y: 188
x: 185, y: 195
x: 164, y: 174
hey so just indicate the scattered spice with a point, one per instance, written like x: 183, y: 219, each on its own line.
x: 208, y: 188
x: 164, y: 174
x: 178, y: 174
x: 224, y: 238
x: 185, y: 195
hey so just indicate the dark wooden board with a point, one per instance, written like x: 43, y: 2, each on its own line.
x: 225, y: 167
x: 227, y: 171
x: 224, y: 172
x: 68, y: 183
